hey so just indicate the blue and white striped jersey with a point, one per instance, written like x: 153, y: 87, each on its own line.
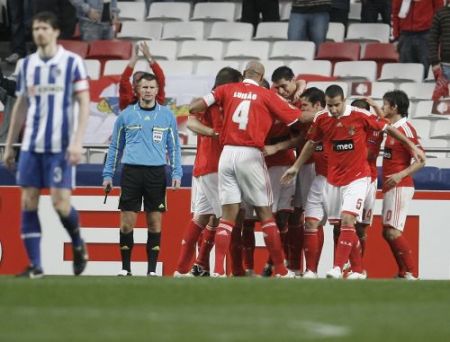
x: 50, y: 88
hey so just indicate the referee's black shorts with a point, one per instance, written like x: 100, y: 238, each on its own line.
x: 148, y: 182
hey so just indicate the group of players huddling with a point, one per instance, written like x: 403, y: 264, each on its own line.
x: 247, y: 170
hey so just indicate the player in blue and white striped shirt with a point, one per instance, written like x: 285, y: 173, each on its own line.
x: 50, y: 83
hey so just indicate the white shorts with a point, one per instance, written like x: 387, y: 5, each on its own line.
x: 369, y: 203
x: 303, y: 183
x: 205, y: 195
x: 346, y: 199
x: 395, y: 206
x: 243, y: 176
x: 315, y: 207
x: 283, y: 195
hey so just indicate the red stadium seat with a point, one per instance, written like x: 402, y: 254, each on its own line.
x: 380, y: 53
x: 339, y: 52
x: 76, y: 46
x: 105, y: 50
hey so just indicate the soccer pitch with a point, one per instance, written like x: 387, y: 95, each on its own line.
x: 238, y: 309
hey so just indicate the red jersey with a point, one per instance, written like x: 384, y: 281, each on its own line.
x: 374, y: 140
x: 320, y: 159
x: 279, y: 132
x: 249, y: 112
x: 208, y: 148
x: 345, y: 143
x: 126, y: 92
x: 397, y: 156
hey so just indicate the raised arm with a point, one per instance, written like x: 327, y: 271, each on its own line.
x: 416, y: 152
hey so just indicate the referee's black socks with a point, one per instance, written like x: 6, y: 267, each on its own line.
x: 126, y: 245
x: 153, y: 242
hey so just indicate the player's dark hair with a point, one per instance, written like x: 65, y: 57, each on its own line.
x: 361, y: 103
x: 47, y: 17
x: 314, y: 95
x: 227, y: 75
x: 265, y: 84
x: 283, y: 72
x: 334, y: 91
x: 147, y: 76
x: 399, y: 99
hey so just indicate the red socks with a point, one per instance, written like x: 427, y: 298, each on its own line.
x: 347, y: 239
x: 273, y: 243
x: 207, y: 244
x: 311, y: 248
x: 222, y: 242
x: 403, y: 255
x: 190, y: 237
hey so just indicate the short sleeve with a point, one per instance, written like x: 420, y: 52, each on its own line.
x: 79, y: 76
x: 21, y: 89
x: 314, y: 132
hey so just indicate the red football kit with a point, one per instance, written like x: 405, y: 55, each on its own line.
x: 208, y: 148
x: 344, y: 139
x: 249, y: 112
x: 397, y: 156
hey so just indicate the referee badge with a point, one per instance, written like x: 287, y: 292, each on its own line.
x: 157, y: 134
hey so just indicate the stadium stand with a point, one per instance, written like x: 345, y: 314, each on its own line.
x: 339, y: 52
x: 366, y: 70
x: 324, y: 85
x: 428, y: 110
x: 169, y: 11
x: 210, y: 68
x: 183, y: 31
x: 140, y: 30
x: 134, y: 11
x: 368, y: 32
x: 354, y: 15
x: 231, y: 31
x: 239, y: 50
x: 314, y: 67
x: 270, y: 31
x: 79, y: 47
x: 422, y: 127
x: 177, y: 68
x: 163, y: 49
x: 292, y: 50
x: 336, y: 32
x: 210, y: 11
x: 201, y: 49
x: 401, y: 72
x: 381, y: 53
x: 285, y: 10
x: 105, y: 50
x: 441, y: 130
x: 93, y: 68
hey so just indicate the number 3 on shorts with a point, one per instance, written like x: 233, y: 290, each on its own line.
x: 240, y: 115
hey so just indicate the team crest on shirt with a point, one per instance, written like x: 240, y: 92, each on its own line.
x: 55, y: 72
x: 339, y: 124
x: 352, y: 130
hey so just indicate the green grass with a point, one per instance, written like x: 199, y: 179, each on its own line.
x: 166, y: 309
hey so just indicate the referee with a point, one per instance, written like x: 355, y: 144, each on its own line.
x: 147, y: 134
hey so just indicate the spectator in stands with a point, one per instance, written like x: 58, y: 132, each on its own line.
x: 127, y: 90
x: 65, y: 12
x: 411, y: 22
x: 440, y: 51
x: 371, y: 9
x: 252, y: 9
x: 309, y: 20
x: 339, y: 11
x: 19, y: 12
x: 98, y: 18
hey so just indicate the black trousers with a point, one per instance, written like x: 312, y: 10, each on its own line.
x: 251, y: 10
x: 372, y: 8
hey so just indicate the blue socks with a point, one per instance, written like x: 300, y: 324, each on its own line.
x: 31, y: 236
x: 72, y: 226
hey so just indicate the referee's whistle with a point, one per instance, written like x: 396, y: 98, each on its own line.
x: 107, y: 191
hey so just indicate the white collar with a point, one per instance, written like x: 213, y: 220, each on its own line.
x: 248, y: 80
x: 60, y: 50
x: 400, y: 122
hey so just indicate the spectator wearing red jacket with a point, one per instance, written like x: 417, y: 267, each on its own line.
x: 411, y: 23
x: 127, y: 94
